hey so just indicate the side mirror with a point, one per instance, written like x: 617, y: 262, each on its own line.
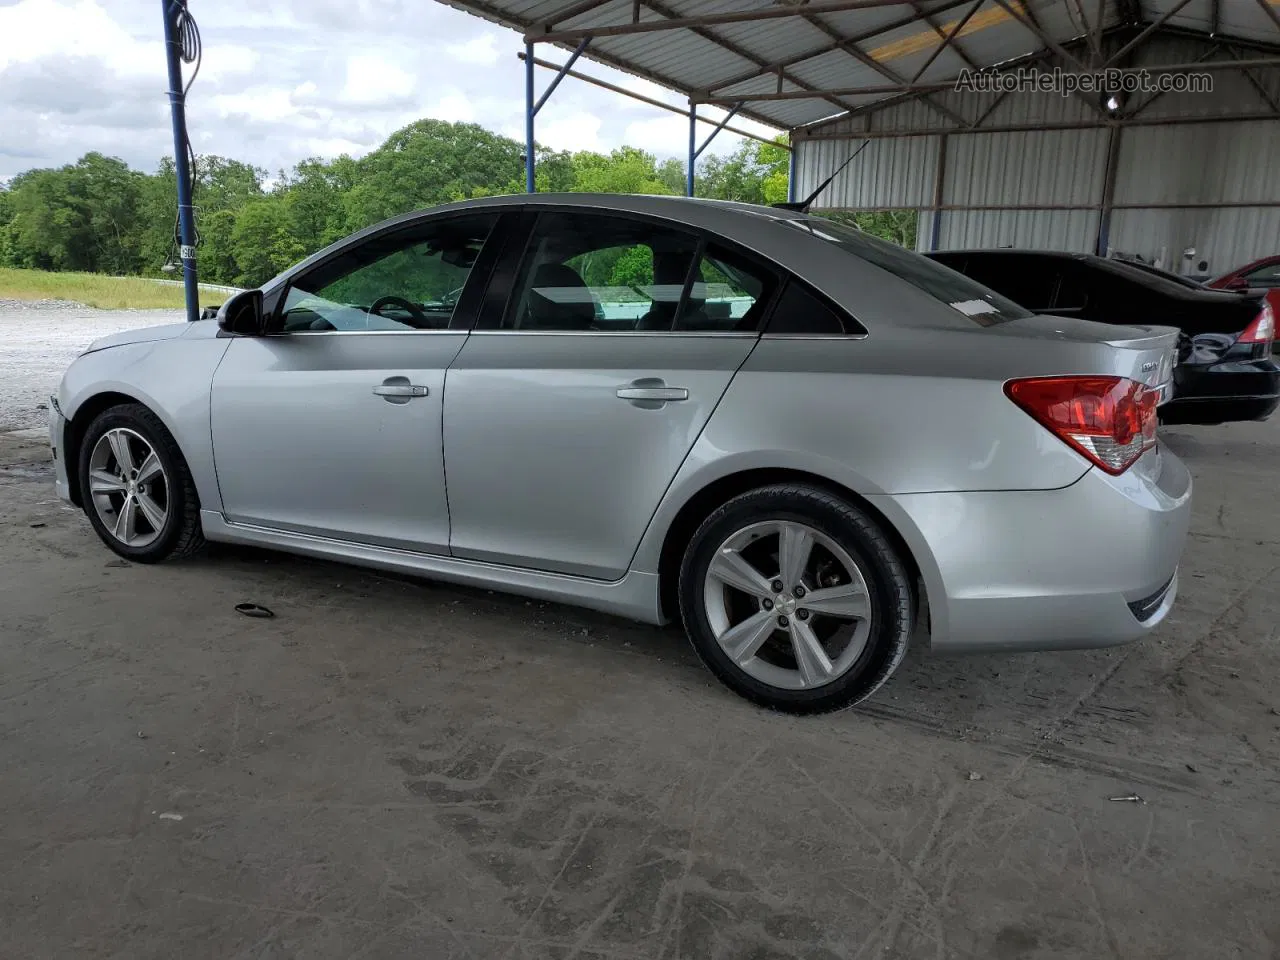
x: 242, y: 314
x: 1236, y: 283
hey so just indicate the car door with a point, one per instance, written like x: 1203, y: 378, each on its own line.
x: 568, y: 417
x: 331, y: 424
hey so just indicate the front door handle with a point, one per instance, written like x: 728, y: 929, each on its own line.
x: 662, y: 394
x: 399, y: 390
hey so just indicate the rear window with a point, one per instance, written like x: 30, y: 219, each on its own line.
x: 980, y: 304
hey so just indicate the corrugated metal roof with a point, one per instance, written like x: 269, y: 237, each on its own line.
x: 813, y: 50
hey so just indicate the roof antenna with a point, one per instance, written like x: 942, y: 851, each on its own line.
x: 802, y: 206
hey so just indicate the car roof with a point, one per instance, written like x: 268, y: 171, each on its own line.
x: 696, y: 211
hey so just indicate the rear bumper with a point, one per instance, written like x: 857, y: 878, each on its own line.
x: 1224, y: 392
x: 1090, y: 565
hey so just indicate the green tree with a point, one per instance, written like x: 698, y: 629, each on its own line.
x: 896, y: 226
x: 262, y: 242
x: 83, y: 216
x: 625, y: 170
x: 216, y: 257
x: 754, y: 173
x: 427, y: 163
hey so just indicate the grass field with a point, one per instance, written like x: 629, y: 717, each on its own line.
x: 94, y: 290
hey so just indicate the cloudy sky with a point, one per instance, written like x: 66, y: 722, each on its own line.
x: 287, y: 79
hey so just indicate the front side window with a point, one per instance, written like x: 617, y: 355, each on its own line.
x: 980, y: 304
x: 408, y: 280
x: 585, y: 272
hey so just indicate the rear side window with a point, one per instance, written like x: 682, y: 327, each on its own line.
x: 802, y: 312
x: 727, y: 294
x: 980, y: 304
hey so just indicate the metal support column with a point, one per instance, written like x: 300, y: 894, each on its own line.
x: 528, y: 118
x: 693, y: 152
x: 531, y: 108
x: 1108, y: 191
x: 177, y: 109
x: 939, y: 186
x: 791, y: 171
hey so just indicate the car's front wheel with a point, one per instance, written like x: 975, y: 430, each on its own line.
x: 795, y: 599
x: 136, y: 487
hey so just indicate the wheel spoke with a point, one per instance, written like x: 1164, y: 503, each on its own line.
x: 151, y: 510
x: 150, y: 467
x: 734, y: 569
x: 743, y: 640
x: 126, y: 527
x: 848, y: 601
x: 120, y: 448
x: 104, y: 481
x: 794, y: 546
x: 815, y: 666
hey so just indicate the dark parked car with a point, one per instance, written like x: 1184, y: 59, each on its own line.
x: 1224, y: 370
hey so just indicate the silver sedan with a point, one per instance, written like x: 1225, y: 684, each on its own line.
x: 794, y: 438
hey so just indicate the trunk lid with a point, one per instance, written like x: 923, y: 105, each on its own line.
x: 1145, y: 353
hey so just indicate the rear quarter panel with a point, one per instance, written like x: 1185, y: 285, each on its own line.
x: 905, y: 411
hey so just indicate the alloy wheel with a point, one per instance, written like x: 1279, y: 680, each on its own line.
x: 129, y: 487
x: 787, y: 604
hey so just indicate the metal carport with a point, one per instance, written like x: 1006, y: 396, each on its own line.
x: 1098, y: 172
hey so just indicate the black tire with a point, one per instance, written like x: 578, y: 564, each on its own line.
x: 181, y: 534
x: 887, y: 580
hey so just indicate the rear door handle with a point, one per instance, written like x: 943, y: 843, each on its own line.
x: 661, y: 394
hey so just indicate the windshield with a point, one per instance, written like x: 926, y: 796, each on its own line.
x: 980, y: 304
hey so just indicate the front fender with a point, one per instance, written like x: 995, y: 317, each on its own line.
x: 170, y: 377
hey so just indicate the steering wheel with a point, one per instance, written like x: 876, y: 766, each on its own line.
x: 422, y: 320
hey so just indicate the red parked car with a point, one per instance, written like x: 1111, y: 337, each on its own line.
x: 1260, y: 275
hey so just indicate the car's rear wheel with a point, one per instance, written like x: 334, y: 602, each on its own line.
x: 136, y: 487
x: 795, y: 599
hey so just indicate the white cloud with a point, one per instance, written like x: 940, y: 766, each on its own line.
x: 35, y: 29
x: 455, y: 108
x: 665, y: 129
x: 371, y: 79
x: 288, y: 79
x: 579, y: 130
x: 481, y: 50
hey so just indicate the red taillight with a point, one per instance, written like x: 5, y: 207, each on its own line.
x: 1111, y: 420
x: 1263, y: 328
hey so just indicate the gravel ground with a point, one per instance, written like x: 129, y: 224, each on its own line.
x: 37, y: 341
x: 398, y: 769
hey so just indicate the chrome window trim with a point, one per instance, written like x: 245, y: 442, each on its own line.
x: 814, y: 336
x: 619, y: 333
x: 362, y: 333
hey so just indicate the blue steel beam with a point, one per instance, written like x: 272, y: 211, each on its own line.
x: 531, y: 108
x: 719, y: 126
x: 528, y: 118
x: 177, y: 109
x: 693, y: 149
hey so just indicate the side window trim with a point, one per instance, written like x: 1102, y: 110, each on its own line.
x: 482, y: 267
